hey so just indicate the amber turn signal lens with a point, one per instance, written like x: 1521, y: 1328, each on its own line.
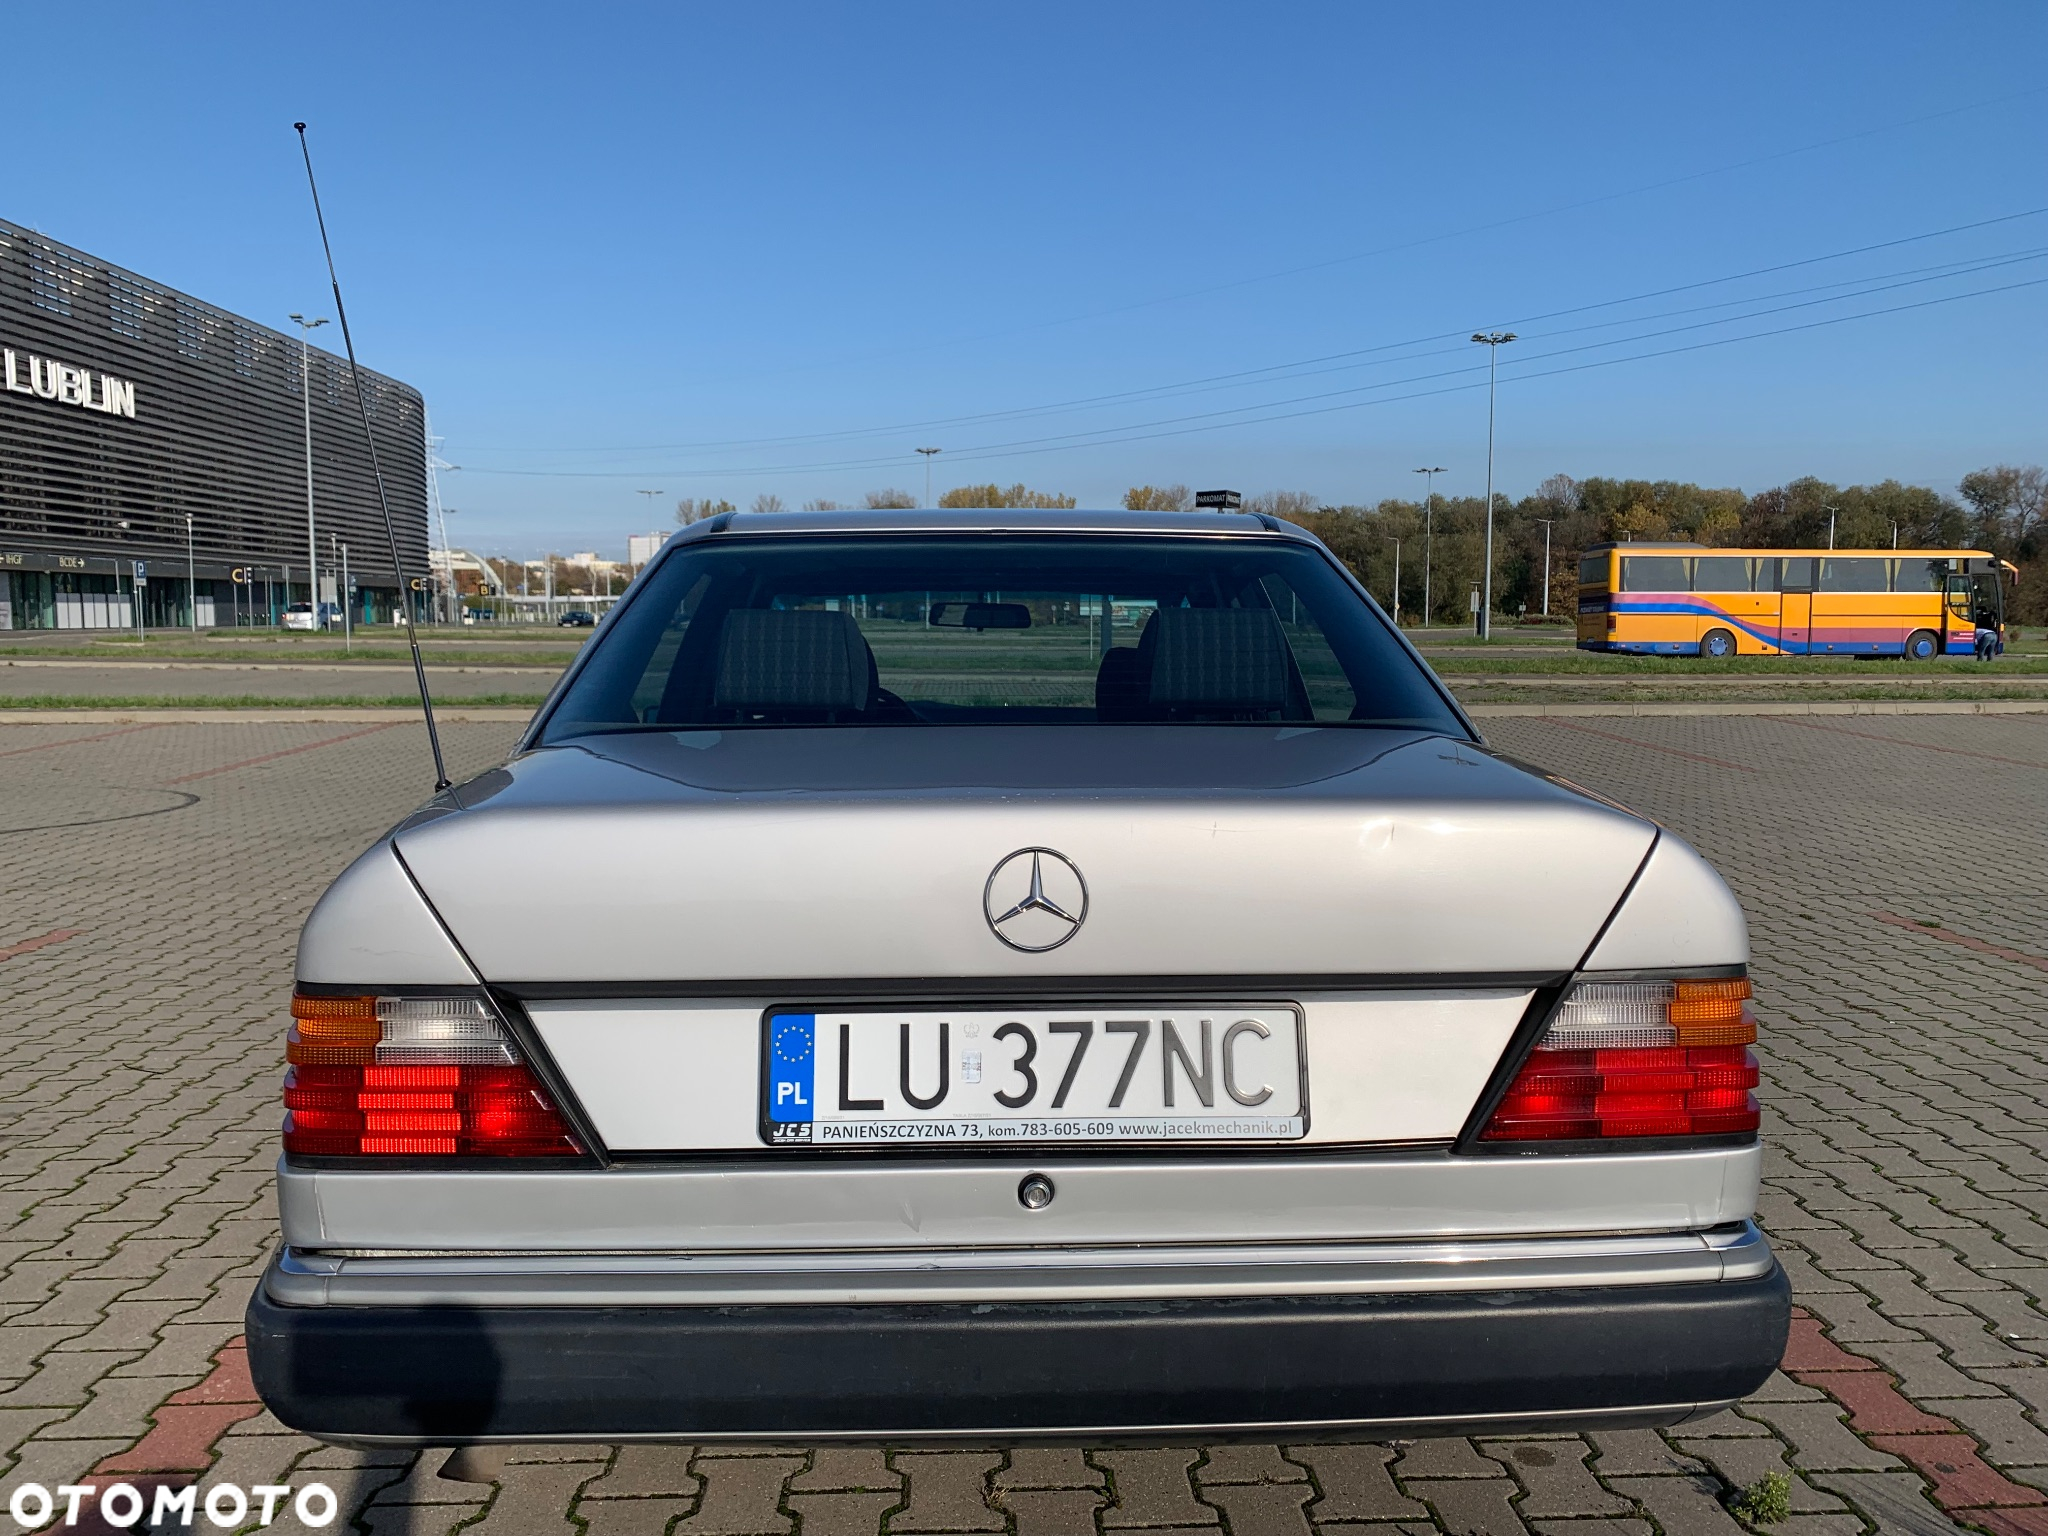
x: 332, y: 1031
x: 361, y: 1009
x: 1721, y: 989
x: 1714, y: 1012
x: 338, y: 1031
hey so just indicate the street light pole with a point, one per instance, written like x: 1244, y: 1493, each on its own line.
x: 928, y: 452
x: 1397, y: 578
x: 1831, y: 511
x: 1546, y: 522
x: 650, y: 495
x: 191, y: 574
x: 452, y: 593
x: 1428, y: 531
x: 306, y: 329
x: 1493, y: 341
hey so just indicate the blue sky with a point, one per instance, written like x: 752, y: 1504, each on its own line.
x: 622, y: 247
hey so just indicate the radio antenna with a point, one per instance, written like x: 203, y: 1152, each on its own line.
x: 419, y: 667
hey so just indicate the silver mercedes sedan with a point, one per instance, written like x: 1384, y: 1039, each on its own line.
x: 1068, y: 974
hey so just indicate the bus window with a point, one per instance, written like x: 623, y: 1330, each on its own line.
x: 1797, y: 573
x: 1767, y: 574
x: 1593, y: 570
x: 1959, y: 595
x: 1921, y: 575
x: 1856, y: 573
x: 1721, y: 573
x: 1655, y: 573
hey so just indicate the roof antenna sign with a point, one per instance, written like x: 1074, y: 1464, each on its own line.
x: 419, y: 668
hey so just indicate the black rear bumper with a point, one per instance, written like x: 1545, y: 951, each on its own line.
x: 1092, y: 1370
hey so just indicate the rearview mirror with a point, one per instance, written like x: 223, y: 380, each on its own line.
x: 979, y: 616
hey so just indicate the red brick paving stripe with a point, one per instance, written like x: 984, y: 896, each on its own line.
x: 72, y: 741
x: 1946, y: 935
x: 1651, y: 746
x: 182, y: 1439
x: 1874, y: 1404
x: 54, y: 936
x: 1964, y: 1483
x: 1808, y: 1349
x: 190, y: 1423
x: 229, y: 1382
x: 1962, y: 1479
x: 2012, y: 1522
x: 1924, y: 746
x: 271, y: 757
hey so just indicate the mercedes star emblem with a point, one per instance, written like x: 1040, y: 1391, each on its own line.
x: 1035, y: 900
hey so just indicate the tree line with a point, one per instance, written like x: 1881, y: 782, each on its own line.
x: 2002, y: 509
x: 693, y: 509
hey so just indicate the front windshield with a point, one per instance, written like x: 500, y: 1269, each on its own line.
x: 983, y: 629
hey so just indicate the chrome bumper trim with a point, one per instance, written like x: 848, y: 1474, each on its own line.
x: 1286, y: 1431
x: 310, y: 1278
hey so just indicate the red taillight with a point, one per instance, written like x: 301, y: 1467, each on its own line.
x: 1626, y: 1059
x: 413, y: 1077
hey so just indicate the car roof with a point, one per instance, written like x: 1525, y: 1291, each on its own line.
x: 992, y: 520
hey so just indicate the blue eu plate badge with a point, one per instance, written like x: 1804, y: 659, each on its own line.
x: 792, y: 1053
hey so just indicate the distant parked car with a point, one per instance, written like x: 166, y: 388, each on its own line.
x: 300, y: 616
x: 576, y: 618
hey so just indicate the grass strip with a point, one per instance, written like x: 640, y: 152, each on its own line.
x: 386, y: 655
x: 260, y: 702
x: 1593, y: 664
x: 1651, y: 694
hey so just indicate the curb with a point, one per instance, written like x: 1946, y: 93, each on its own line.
x: 261, y: 716
x: 1792, y: 707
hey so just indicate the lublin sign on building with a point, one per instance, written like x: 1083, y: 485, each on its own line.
x: 23, y: 373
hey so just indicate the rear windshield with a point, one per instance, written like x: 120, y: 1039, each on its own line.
x: 982, y: 629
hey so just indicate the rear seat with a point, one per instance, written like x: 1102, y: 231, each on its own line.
x: 1198, y: 664
x: 798, y: 666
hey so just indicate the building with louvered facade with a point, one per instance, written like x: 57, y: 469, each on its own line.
x: 147, y: 434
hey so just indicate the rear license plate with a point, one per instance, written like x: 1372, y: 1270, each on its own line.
x: 868, y: 1077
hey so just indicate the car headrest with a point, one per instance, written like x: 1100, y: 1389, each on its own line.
x: 800, y: 658
x: 1121, y: 687
x: 1217, y: 659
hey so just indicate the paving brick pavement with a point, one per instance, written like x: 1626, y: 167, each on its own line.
x: 1906, y: 1164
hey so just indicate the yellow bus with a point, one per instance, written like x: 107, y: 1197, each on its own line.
x: 1690, y: 600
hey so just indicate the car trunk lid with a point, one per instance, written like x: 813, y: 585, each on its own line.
x: 719, y: 862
